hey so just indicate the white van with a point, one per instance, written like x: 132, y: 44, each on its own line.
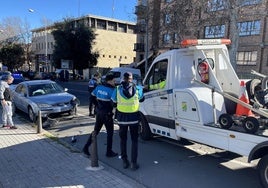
x: 119, y: 72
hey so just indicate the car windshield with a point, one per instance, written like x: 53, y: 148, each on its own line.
x: 44, y: 89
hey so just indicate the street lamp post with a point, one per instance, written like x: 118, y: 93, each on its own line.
x: 46, y: 63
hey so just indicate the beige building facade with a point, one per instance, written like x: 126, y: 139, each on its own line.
x: 114, y: 42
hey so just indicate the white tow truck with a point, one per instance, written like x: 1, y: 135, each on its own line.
x: 187, y: 90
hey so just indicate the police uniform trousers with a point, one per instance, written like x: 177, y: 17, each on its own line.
x: 125, y: 122
x: 106, y: 120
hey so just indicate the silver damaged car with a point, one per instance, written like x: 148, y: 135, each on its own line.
x: 45, y: 95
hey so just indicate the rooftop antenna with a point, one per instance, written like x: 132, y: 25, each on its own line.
x: 78, y: 8
x: 113, y: 10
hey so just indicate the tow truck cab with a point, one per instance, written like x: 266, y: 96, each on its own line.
x: 181, y: 98
x: 179, y: 107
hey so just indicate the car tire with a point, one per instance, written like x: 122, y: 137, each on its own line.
x: 251, y: 125
x: 226, y: 121
x: 73, y: 112
x: 31, y: 114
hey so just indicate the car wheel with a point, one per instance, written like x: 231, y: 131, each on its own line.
x: 263, y: 170
x: 251, y: 125
x: 31, y: 114
x: 226, y: 121
x: 73, y: 111
x: 144, y: 129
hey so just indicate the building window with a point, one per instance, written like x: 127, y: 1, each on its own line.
x: 250, y: 2
x: 131, y: 28
x: 92, y: 23
x: 101, y: 24
x: 249, y: 28
x: 112, y: 26
x: 175, y: 38
x: 166, y: 38
x: 216, y: 31
x: 246, y: 58
x: 122, y: 28
x: 167, y: 19
x: 144, y: 2
x: 215, y: 5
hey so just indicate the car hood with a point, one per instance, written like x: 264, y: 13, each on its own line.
x: 53, y: 98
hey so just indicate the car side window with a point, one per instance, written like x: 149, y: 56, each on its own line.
x: 18, y: 89
x: 24, y: 90
x: 156, y: 78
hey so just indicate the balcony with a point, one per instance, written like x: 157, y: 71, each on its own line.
x: 139, y: 47
x: 140, y: 28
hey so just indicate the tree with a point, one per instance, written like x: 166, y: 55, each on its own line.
x: 12, y: 56
x: 16, y: 31
x: 75, y: 44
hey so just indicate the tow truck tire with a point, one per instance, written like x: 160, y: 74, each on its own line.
x: 263, y: 171
x: 226, y: 121
x: 251, y: 125
x: 144, y: 129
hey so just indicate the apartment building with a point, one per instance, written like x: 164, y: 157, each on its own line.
x: 114, y: 42
x: 163, y: 24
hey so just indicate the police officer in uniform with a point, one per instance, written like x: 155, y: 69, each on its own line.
x: 104, y: 114
x: 127, y: 97
x: 92, y: 84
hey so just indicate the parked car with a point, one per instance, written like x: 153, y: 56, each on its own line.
x: 45, y: 95
x: 118, y: 73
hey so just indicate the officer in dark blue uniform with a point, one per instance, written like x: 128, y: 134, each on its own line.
x: 92, y: 84
x: 104, y: 114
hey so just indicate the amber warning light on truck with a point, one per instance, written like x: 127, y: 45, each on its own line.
x: 194, y: 42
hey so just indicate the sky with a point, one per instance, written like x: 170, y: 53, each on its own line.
x: 56, y: 10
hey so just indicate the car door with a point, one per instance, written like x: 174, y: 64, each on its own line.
x: 20, y: 98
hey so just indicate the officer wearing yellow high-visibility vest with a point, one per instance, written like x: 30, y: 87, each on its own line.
x: 159, y: 85
x: 127, y: 97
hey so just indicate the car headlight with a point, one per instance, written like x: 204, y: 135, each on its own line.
x: 42, y: 105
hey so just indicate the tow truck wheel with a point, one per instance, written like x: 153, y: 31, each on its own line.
x: 251, y: 125
x: 144, y: 129
x: 226, y: 121
x: 263, y: 170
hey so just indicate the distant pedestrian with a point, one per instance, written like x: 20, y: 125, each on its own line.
x: 6, y: 101
x: 127, y: 97
x: 104, y: 114
x: 92, y: 84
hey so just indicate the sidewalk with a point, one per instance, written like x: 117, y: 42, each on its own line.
x: 32, y: 160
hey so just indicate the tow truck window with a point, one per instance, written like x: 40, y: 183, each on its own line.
x: 157, y: 76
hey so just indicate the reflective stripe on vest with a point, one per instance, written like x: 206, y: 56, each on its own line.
x: 127, y: 105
